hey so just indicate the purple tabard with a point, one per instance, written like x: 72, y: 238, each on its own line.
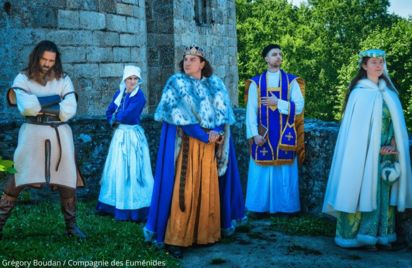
x: 280, y: 145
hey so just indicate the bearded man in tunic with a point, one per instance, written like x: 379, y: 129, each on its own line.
x: 274, y: 127
x: 45, y: 154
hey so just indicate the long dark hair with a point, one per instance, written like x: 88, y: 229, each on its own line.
x: 362, y: 75
x: 207, y: 70
x: 33, y: 68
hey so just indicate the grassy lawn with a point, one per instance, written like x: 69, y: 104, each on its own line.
x: 35, y: 232
x: 304, y: 224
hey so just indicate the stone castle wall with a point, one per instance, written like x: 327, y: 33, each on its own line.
x: 98, y: 37
x: 214, y: 28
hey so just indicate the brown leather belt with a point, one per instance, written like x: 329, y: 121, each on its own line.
x: 182, y: 182
x: 44, y: 119
x: 54, y: 122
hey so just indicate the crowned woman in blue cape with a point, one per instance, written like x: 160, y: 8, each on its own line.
x: 197, y: 192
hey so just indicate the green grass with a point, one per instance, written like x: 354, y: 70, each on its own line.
x: 304, y: 225
x: 36, y: 232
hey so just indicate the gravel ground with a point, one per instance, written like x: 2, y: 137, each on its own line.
x: 262, y: 247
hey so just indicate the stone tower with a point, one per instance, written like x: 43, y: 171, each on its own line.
x: 98, y: 37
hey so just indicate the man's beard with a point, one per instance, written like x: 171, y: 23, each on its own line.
x: 274, y: 65
x: 44, y: 75
x: 45, y: 70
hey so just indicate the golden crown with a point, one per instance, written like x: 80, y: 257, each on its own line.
x: 195, y: 51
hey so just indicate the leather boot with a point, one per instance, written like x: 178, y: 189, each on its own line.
x: 8, y: 201
x: 68, y: 207
x: 7, y: 204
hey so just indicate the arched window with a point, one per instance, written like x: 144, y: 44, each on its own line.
x: 203, y: 14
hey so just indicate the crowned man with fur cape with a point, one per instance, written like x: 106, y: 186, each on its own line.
x: 197, y: 188
x: 371, y: 169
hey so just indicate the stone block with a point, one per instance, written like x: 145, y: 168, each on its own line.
x: 165, y: 26
x: 92, y: 20
x: 73, y: 54
x: 83, y: 38
x: 84, y: 85
x: 68, y: 68
x: 67, y: 37
x: 135, y: 26
x: 131, y: 2
x: 139, y: 12
x: 128, y: 40
x: 121, y: 54
x: 106, y: 38
x: 107, y: 6
x: 86, y: 70
x: 124, y: 9
x: 64, y: 37
x: 44, y: 17
x: 220, y: 70
x: 110, y: 69
x: 83, y: 5
x: 99, y: 54
x: 161, y: 39
x: 116, y: 23
x: 138, y: 54
x: 47, y: 3
x: 68, y: 19
x: 108, y: 86
x: 187, y: 39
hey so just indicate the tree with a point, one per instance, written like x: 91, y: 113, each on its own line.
x: 320, y: 42
x: 396, y: 43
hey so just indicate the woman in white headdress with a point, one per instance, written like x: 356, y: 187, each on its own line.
x: 370, y: 174
x: 127, y: 180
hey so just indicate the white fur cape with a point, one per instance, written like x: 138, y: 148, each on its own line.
x: 352, y: 183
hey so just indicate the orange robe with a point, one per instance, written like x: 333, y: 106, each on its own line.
x: 200, y: 222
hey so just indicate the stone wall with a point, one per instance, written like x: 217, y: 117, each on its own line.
x: 213, y: 27
x: 174, y: 25
x: 96, y: 38
x: 160, y: 49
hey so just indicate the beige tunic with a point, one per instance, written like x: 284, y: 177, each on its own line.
x: 29, y: 157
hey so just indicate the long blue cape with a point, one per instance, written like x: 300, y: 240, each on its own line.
x: 231, y: 196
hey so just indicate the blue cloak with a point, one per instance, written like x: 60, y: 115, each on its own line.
x: 231, y: 196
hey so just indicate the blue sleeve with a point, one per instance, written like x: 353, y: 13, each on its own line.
x: 112, y: 107
x: 219, y: 128
x: 195, y: 131
x: 133, y: 107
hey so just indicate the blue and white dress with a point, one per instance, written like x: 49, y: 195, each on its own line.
x: 127, y: 180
